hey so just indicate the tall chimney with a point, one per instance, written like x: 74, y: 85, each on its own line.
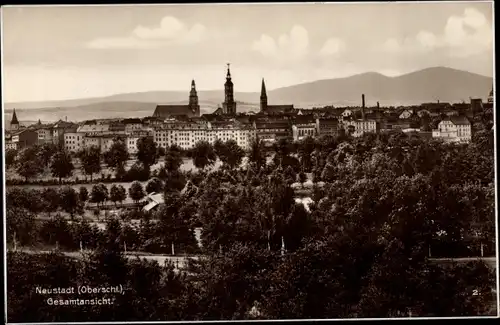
x: 363, y: 106
x: 378, y: 105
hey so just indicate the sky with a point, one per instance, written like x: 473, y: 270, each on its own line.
x: 69, y: 52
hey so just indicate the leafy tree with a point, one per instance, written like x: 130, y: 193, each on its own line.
x: 90, y: 159
x: 161, y: 152
x: 154, y: 185
x: 147, y: 152
x: 20, y: 226
x: 203, y: 154
x: 117, y: 155
x: 117, y: 193
x: 29, y: 163
x: 83, y: 194
x: 10, y: 157
x: 173, y: 158
x: 99, y: 194
x: 46, y: 151
x: 232, y: 154
x: 62, y: 165
x: 302, y: 177
x: 136, y: 192
x: 69, y: 201
x: 306, y: 148
x: 256, y: 155
x: 52, y: 199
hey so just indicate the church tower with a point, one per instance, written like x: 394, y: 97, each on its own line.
x: 263, y: 97
x: 229, y: 105
x: 14, y: 123
x: 193, y: 100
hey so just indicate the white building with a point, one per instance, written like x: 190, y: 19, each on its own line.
x: 361, y: 127
x: 454, y: 129
x: 74, y: 141
x: 303, y: 129
x: 187, y: 134
x: 132, y: 144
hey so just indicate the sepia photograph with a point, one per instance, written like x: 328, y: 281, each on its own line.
x: 249, y: 161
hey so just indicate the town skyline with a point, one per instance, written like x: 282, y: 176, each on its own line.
x: 298, y: 49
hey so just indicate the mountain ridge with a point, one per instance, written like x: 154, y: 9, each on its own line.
x: 426, y: 85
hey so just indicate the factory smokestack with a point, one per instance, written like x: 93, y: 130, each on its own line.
x: 363, y: 106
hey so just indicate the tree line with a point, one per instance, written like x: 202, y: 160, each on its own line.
x: 383, y: 205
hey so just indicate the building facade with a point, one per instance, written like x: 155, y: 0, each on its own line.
x: 74, y: 141
x: 454, y: 129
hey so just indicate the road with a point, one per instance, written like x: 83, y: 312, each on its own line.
x: 180, y: 260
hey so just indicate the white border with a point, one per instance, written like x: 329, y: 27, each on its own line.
x: 268, y: 3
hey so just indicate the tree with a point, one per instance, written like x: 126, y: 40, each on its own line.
x: 155, y: 185
x: 306, y: 147
x: 90, y: 159
x: 62, y: 165
x: 161, y: 152
x: 232, y: 154
x: 117, y: 155
x: 46, y: 151
x: 29, y: 163
x: 136, y: 192
x: 69, y: 200
x: 10, y: 157
x: 83, y: 194
x: 147, y: 152
x: 302, y: 177
x: 99, y: 194
x: 52, y: 199
x: 117, y: 194
x: 203, y: 154
x: 256, y: 154
x: 173, y: 158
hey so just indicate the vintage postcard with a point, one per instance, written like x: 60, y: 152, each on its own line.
x: 223, y: 162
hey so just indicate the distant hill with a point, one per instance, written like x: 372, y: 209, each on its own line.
x: 428, y: 85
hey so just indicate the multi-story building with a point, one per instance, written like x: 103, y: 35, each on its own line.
x: 242, y: 133
x: 360, y: 127
x: 74, y: 141
x: 327, y: 126
x: 59, y: 129
x: 453, y: 129
x: 45, y: 134
x: 271, y: 131
x: 131, y: 142
x: 132, y: 124
x: 304, y: 126
x: 22, y: 139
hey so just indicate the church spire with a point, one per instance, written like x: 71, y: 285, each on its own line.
x: 228, y: 76
x: 193, y: 99
x: 14, y: 118
x: 14, y: 123
x: 263, y: 97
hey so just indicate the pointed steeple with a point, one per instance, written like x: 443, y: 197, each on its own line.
x: 263, y: 97
x: 193, y: 99
x: 228, y: 76
x: 14, y: 118
x: 39, y: 122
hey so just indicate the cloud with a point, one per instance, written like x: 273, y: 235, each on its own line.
x: 292, y: 46
x: 333, y: 46
x: 463, y: 36
x: 170, y: 31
